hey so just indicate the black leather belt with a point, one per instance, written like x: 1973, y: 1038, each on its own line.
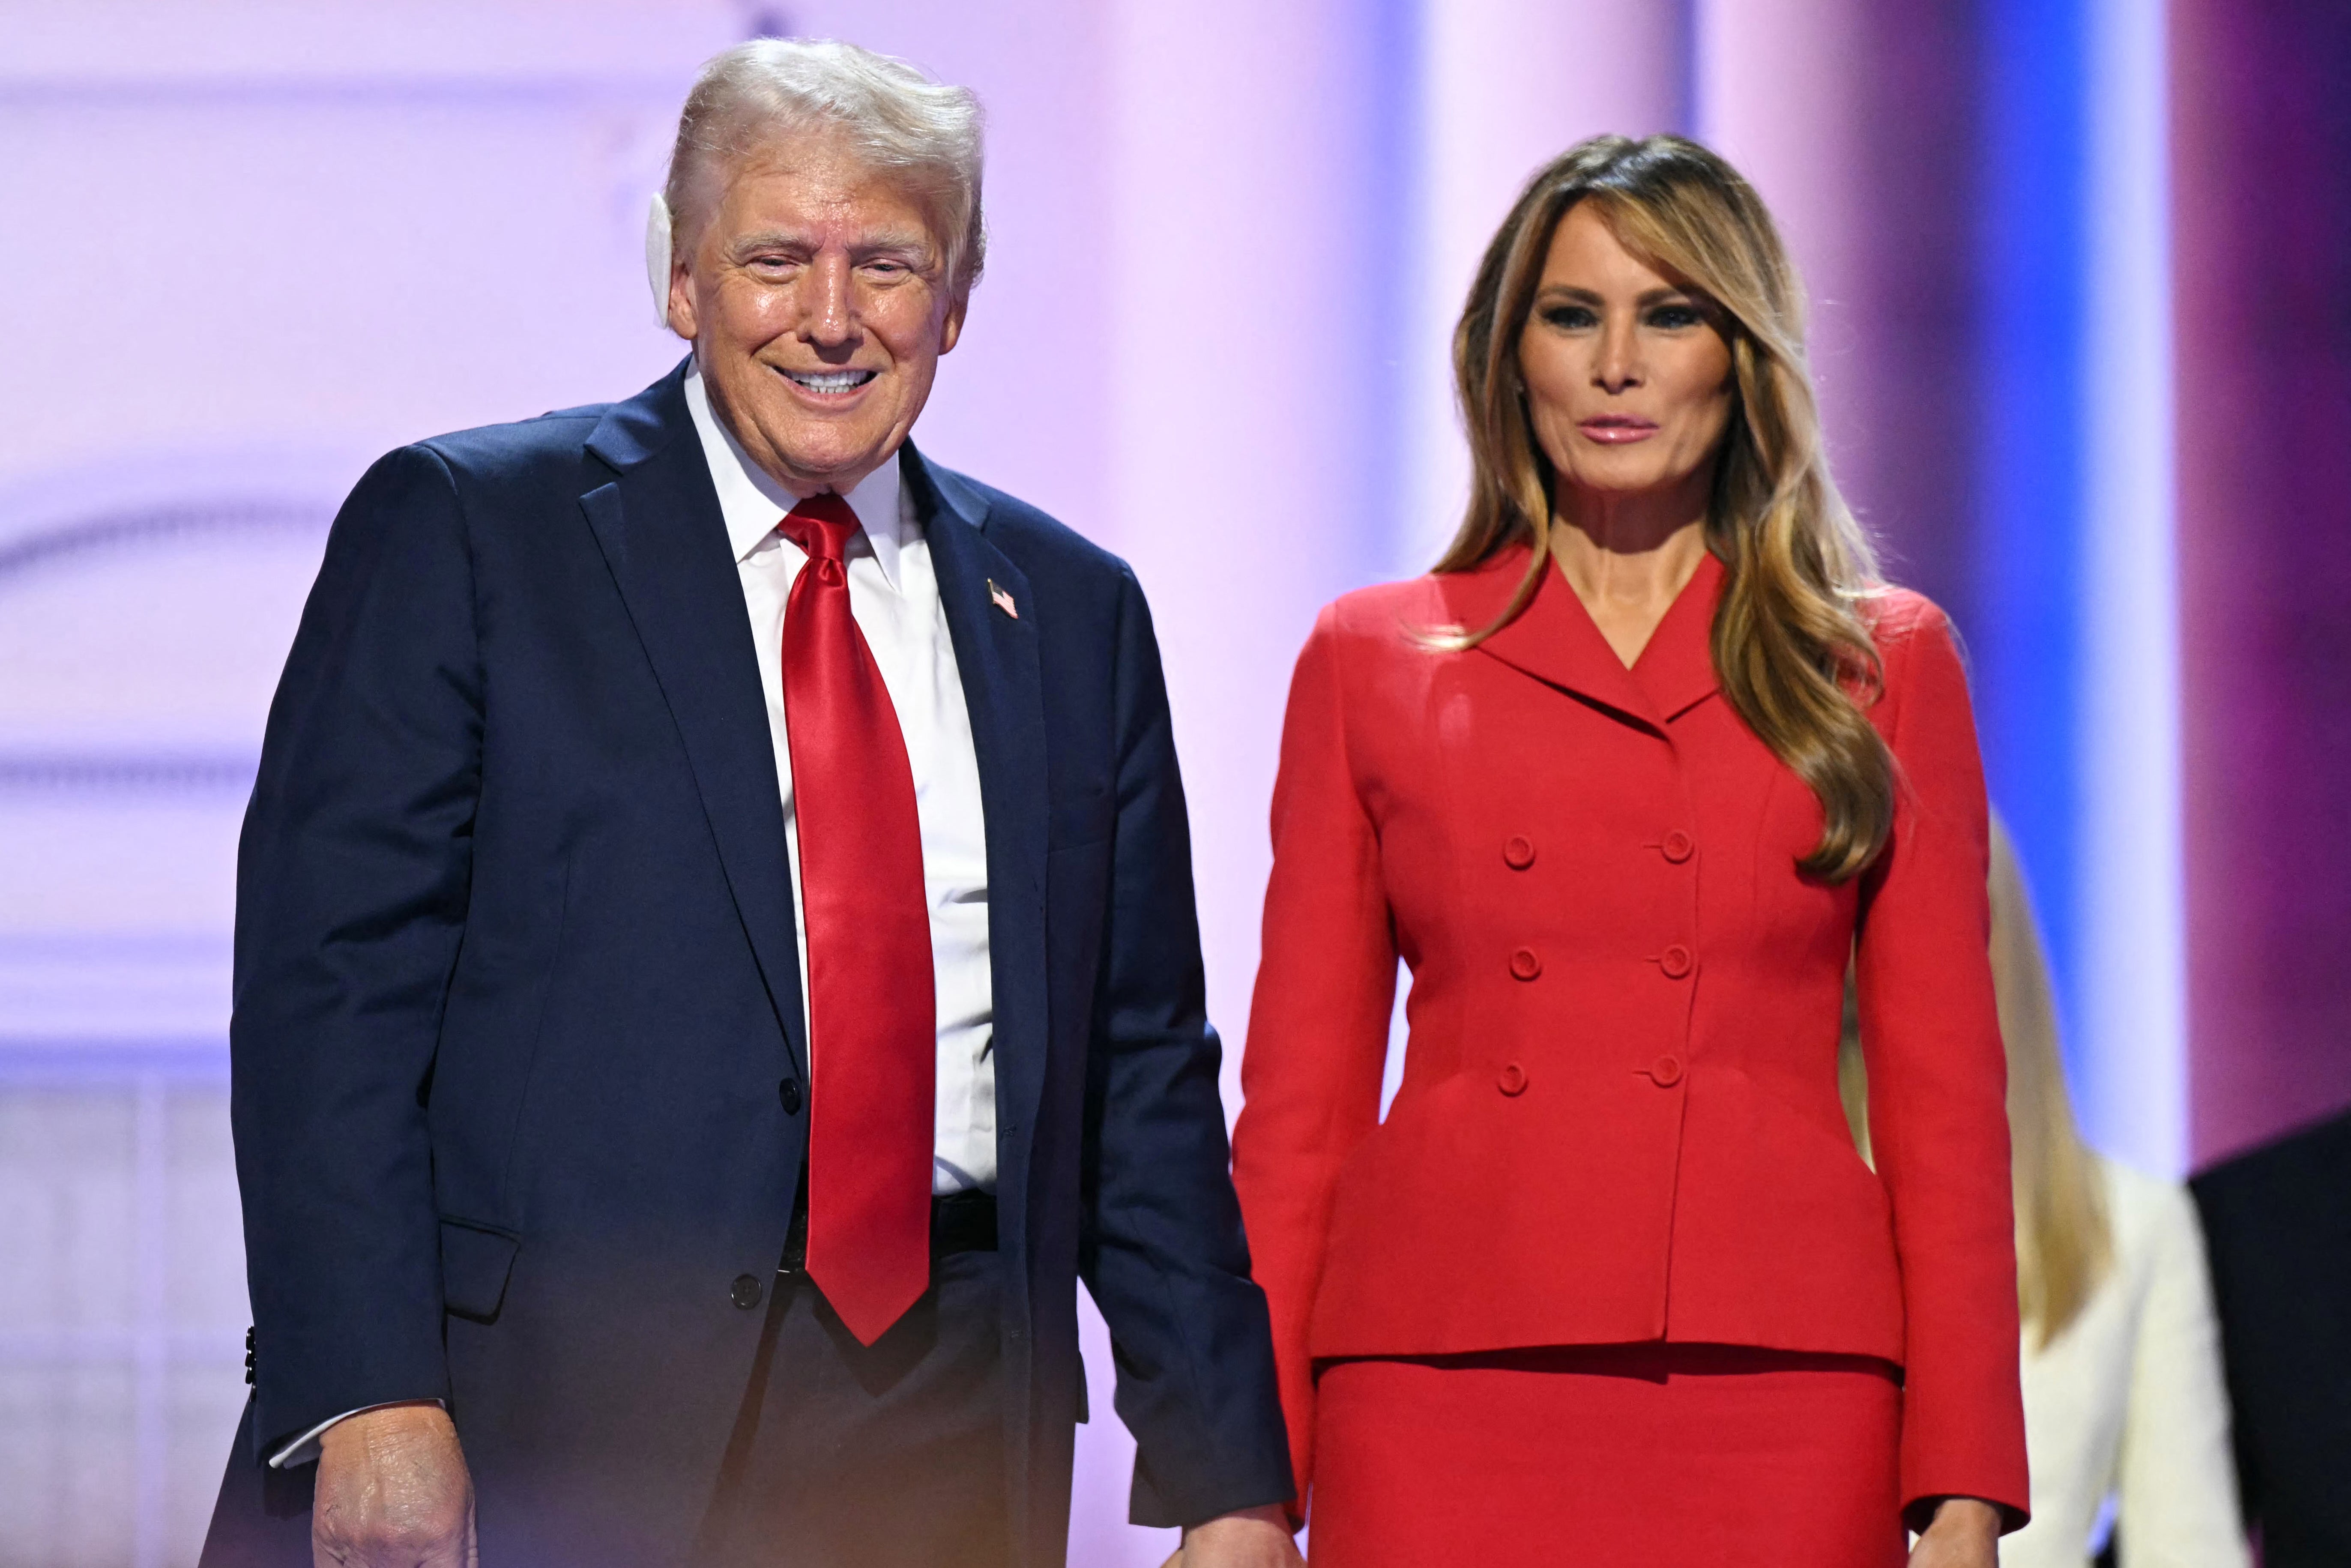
x: 963, y: 1222
x: 960, y: 1222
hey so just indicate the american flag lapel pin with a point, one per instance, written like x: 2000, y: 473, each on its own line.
x: 1001, y: 600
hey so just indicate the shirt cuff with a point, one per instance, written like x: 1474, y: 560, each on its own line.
x: 305, y: 1449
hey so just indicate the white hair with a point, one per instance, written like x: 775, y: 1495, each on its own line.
x: 924, y: 133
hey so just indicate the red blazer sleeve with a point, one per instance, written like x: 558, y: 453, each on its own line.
x: 1938, y: 1083
x: 1318, y: 1022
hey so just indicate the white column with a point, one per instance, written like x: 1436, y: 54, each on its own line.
x: 2133, y: 1055
x: 1504, y: 87
x: 1778, y: 95
x: 1248, y: 257
x: 1250, y: 236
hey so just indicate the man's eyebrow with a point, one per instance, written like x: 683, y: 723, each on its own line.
x: 915, y: 246
x: 762, y: 240
x: 912, y: 244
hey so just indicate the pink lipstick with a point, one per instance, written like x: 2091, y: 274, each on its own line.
x: 1616, y: 429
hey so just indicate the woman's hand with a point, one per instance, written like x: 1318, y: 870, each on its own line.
x: 1964, y: 1534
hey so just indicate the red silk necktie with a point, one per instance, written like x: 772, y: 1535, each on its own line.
x: 873, y: 1002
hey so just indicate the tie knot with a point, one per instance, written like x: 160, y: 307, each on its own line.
x: 821, y: 526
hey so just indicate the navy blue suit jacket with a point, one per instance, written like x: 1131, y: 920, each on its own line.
x: 517, y: 989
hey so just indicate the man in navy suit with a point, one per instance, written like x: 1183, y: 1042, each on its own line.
x: 715, y: 954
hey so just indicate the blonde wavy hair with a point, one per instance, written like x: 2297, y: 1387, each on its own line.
x: 2064, y: 1240
x: 1790, y: 647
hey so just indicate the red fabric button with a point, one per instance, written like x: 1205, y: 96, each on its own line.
x: 1513, y: 1081
x: 1679, y: 846
x: 1520, y: 853
x: 1676, y: 961
x: 1525, y: 965
x: 1666, y: 1071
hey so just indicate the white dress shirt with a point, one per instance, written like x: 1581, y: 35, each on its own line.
x: 2128, y: 1403
x: 894, y: 596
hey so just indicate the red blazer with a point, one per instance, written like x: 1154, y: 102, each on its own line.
x: 1619, y: 1118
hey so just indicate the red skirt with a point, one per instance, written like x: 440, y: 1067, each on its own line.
x: 1645, y: 1455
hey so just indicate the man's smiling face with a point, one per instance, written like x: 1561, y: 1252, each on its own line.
x: 819, y: 304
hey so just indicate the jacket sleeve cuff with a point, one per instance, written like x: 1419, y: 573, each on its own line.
x: 1151, y: 1511
x: 1918, y: 1512
x: 1254, y: 1473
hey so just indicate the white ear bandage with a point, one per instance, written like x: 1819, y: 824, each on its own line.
x: 657, y: 243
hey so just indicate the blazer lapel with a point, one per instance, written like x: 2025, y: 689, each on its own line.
x: 1553, y: 639
x: 992, y: 620
x: 659, y: 529
x: 1556, y: 641
x: 1676, y: 669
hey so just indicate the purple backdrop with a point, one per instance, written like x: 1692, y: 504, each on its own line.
x: 2262, y: 141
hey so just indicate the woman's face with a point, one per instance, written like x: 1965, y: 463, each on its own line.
x: 1628, y: 378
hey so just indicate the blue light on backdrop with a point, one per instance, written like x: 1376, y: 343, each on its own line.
x: 2025, y: 640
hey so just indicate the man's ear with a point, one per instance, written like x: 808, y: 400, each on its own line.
x: 680, y: 317
x: 660, y: 256
x: 953, y: 328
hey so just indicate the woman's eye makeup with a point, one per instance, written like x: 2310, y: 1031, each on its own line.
x: 1672, y: 316
x: 1570, y: 318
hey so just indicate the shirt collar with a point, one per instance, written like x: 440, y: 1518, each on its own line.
x: 752, y: 502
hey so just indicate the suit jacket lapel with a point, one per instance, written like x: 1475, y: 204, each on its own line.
x: 1556, y: 641
x: 1003, y: 686
x: 659, y: 526
x: 1553, y: 639
x: 1676, y: 669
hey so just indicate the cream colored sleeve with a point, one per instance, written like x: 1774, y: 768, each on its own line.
x: 2176, y: 1502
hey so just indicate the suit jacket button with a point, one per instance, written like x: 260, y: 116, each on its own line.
x: 1513, y: 1080
x: 1520, y: 853
x: 789, y: 1091
x: 1525, y: 965
x: 1679, y: 846
x: 1676, y: 961
x: 746, y: 1293
x: 1666, y: 1071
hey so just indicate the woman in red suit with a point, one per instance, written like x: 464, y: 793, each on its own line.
x: 1624, y: 782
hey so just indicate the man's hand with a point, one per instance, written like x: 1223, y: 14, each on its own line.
x: 392, y: 1493
x: 1250, y: 1538
x: 1964, y: 1534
